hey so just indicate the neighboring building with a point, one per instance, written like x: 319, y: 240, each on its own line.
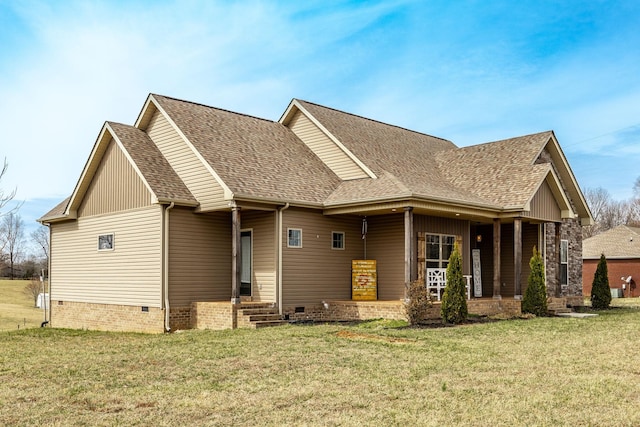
x: 176, y: 220
x: 621, y: 248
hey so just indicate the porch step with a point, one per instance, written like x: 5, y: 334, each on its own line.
x: 556, y: 306
x: 259, y: 315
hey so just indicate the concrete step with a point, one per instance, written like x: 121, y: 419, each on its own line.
x: 558, y: 311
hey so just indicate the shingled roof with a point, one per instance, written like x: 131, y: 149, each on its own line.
x: 154, y: 167
x: 620, y: 242
x: 254, y: 157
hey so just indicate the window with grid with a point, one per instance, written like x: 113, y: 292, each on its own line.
x: 337, y: 240
x: 439, y: 249
x: 564, y: 262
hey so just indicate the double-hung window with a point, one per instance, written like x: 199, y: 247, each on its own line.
x: 438, y: 250
x: 294, y: 237
x: 564, y: 262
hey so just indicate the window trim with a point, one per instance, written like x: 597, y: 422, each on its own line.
x: 564, y: 242
x: 112, y: 242
x: 333, y: 240
x: 289, y: 245
x: 440, y: 260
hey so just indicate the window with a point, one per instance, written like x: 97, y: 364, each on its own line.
x: 438, y: 250
x: 337, y: 240
x: 105, y: 242
x: 294, y: 239
x: 564, y: 262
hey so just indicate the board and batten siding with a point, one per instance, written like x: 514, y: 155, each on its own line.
x: 130, y: 274
x: 316, y: 272
x: 448, y: 226
x: 385, y: 244
x: 186, y: 164
x: 199, y: 257
x: 323, y: 147
x: 264, y: 245
x: 544, y: 205
x: 115, y: 186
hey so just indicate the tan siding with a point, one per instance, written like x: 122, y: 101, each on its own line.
x: 544, y: 205
x: 199, y: 257
x: 115, y: 186
x: 316, y: 272
x: 450, y: 226
x: 385, y: 244
x: 128, y: 275
x: 263, y: 281
x: 188, y: 167
x: 327, y: 150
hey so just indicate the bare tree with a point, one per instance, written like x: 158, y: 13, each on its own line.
x: 41, y: 239
x: 598, y: 200
x: 12, y: 238
x: 5, y: 197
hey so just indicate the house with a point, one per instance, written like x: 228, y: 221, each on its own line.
x: 194, y: 213
x: 621, y: 247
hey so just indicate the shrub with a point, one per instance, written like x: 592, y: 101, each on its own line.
x: 418, y: 302
x: 600, y: 291
x: 535, y: 297
x: 454, y: 300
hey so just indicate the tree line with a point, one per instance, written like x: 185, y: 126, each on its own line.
x: 20, y: 256
x: 609, y: 213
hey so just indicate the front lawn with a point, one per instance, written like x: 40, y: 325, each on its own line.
x: 543, y: 371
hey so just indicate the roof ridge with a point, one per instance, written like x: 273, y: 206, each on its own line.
x: 214, y: 108
x: 373, y: 120
x: 550, y: 132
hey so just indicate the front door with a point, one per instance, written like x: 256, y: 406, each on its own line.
x: 245, y: 254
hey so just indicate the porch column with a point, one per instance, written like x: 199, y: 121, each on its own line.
x: 517, y: 257
x: 409, y: 255
x: 556, y: 261
x: 496, y: 259
x: 236, y: 262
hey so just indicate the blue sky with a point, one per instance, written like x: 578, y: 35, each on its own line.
x: 467, y: 71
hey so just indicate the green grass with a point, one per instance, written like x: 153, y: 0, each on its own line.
x: 541, y: 371
x: 16, y: 308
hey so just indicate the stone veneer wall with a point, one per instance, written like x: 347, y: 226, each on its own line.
x: 106, y: 317
x: 570, y: 230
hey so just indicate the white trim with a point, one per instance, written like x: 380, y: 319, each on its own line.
x: 289, y: 240
x: 112, y: 242
x: 344, y: 242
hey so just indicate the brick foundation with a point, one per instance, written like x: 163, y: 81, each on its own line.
x: 106, y: 317
x: 180, y: 318
x: 213, y: 315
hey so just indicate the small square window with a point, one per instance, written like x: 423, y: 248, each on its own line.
x: 105, y: 242
x: 294, y: 239
x: 337, y: 240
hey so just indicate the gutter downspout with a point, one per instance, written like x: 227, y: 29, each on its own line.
x: 279, y: 252
x: 165, y: 266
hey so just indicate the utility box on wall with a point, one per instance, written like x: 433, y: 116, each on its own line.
x: 364, y: 280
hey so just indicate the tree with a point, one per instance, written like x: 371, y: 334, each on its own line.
x: 600, y: 291
x: 535, y: 297
x: 33, y: 290
x: 5, y: 197
x: 608, y: 213
x: 454, y: 301
x: 12, y: 238
x: 41, y: 239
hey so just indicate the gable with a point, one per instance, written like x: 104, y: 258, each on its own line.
x: 115, y: 186
x: 544, y: 205
x: 191, y: 170
x: 327, y: 150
